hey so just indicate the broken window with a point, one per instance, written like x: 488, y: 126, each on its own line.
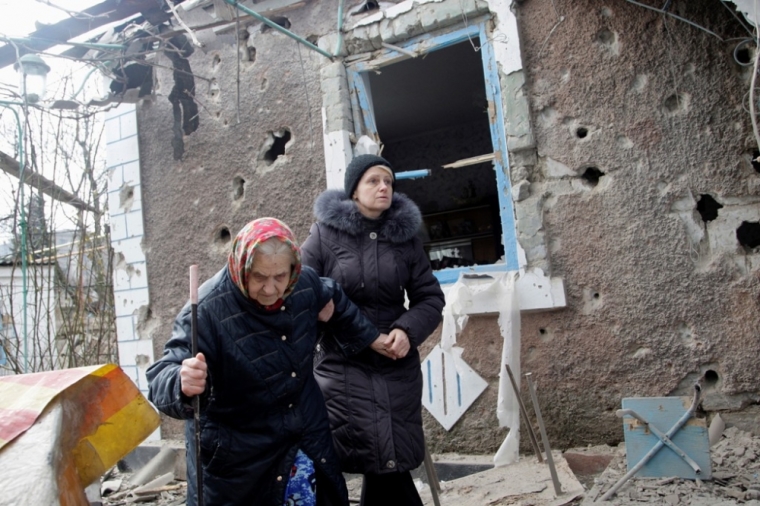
x: 432, y: 111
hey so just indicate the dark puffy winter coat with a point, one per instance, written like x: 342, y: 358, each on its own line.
x: 261, y: 403
x: 374, y: 403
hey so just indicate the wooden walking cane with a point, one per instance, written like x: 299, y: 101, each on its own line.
x: 197, y: 398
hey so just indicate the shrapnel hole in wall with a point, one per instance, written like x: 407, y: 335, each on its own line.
x: 748, y: 234
x: 592, y: 175
x: 278, y: 20
x: 280, y: 139
x: 708, y: 207
x: 223, y: 235
x: 216, y: 61
x: 754, y: 160
x: 711, y: 377
x: 369, y: 5
x: 581, y: 132
x: 238, y: 188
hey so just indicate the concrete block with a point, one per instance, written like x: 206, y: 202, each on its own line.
x: 333, y: 70
x: 138, y: 277
x: 132, y: 172
x: 118, y: 227
x: 113, y: 130
x: 134, y: 222
x: 521, y: 191
x: 122, y: 151
x: 556, y: 169
x: 131, y: 248
x: 126, y: 303
x: 125, y: 330
x: 338, y: 113
x: 128, y: 124
x: 130, y: 351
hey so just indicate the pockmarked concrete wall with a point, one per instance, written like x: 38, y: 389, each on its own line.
x: 657, y: 297
x: 618, y: 121
x: 195, y: 206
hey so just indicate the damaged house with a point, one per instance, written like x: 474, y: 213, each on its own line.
x: 602, y: 150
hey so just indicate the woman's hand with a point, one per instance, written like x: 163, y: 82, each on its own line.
x: 399, y: 343
x: 326, y: 313
x: 394, y: 345
x: 192, y: 375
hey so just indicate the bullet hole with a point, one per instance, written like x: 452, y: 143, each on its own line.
x: 581, y: 133
x: 743, y: 52
x: 606, y: 37
x: 711, y: 377
x: 542, y: 331
x: 279, y: 140
x: 213, y: 88
x: 595, y: 295
x: 743, y: 56
x: 223, y: 235
x: 748, y: 234
x: 238, y: 187
x: 592, y: 176
x: 676, y: 103
x: 754, y: 160
x: 264, y: 84
x: 225, y: 122
x: 126, y: 197
x: 216, y: 61
x: 708, y: 207
x: 278, y: 20
x: 251, y: 53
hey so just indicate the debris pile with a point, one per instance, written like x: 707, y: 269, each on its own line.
x: 735, y: 471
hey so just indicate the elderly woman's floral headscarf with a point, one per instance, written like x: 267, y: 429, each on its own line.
x: 244, y: 248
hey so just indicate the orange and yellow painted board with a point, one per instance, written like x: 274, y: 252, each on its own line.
x: 104, y: 416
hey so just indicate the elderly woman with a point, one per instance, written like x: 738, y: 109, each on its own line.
x: 366, y: 238
x: 265, y: 437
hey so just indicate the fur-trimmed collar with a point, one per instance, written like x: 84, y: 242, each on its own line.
x: 400, y: 223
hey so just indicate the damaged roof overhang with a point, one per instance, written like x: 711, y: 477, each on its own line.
x: 96, y: 16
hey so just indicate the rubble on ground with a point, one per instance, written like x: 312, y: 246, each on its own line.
x: 735, y: 471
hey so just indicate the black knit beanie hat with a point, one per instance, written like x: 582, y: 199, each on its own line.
x: 358, y: 167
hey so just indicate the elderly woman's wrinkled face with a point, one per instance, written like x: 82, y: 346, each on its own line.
x: 269, y: 277
x: 374, y: 193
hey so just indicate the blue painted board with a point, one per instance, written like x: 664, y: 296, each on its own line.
x: 663, y: 413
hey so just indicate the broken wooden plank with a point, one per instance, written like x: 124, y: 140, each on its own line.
x: 470, y: 161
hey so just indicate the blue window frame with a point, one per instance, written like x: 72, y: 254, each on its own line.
x: 364, y: 124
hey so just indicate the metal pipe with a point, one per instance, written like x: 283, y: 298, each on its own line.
x: 277, y: 27
x: 412, y: 174
x: 544, y: 437
x: 21, y: 163
x: 524, y: 413
x: 659, y: 444
x: 340, y: 28
x: 89, y: 45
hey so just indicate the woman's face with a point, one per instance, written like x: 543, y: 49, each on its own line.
x: 268, y: 278
x: 374, y: 193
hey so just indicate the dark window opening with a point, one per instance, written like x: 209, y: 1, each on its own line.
x: 592, y: 175
x: 708, y: 208
x: 281, y: 138
x: 748, y: 234
x: 431, y: 112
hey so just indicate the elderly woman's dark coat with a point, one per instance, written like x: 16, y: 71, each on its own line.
x: 374, y: 403
x: 261, y: 403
